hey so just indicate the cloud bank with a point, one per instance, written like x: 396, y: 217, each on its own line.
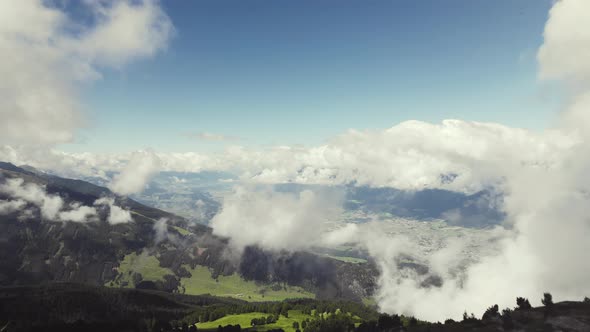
x: 454, y: 155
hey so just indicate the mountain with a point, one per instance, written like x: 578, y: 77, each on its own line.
x: 153, y: 250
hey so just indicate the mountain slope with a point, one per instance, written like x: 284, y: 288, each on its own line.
x: 156, y: 250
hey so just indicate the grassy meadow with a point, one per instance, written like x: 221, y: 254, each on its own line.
x: 148, y: 266
x: 285, y: 323
x: 201, y: 282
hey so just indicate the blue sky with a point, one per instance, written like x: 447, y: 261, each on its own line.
x: 300, y: 72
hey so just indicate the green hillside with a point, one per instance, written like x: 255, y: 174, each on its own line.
x: 144, y: 264
x: 201, y: 282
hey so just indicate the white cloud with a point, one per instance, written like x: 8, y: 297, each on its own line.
x: 126, y: 30
x: 78, y: 213
x: 117, y: 215
x: 348, y: 233
x: 161, y: 230
x: 50, y: 205
x: 412, y: 155
x: 205, y: 136
x: 566, y: 43
x: 8, y: 207
x: 274, y: 220
x: 136, y: 174
x: 162, y: 234
x: 47, y: 54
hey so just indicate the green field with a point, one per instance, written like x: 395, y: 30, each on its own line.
x: 148, y: 266
x: 181, y: 230
x: 244, y: 321
x: 201, y: 282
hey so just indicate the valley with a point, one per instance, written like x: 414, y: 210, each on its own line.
x: 184, y: 275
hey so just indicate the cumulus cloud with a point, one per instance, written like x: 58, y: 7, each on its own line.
x: 566, y: 42
x: 347, y: 233
x: 136, y: 174
x: 8, y: 206
x: 78, y: 213
x: 161, y: 232
x: 50, y: 205
x: 454, y: 155
x: 206, y: 136
x: 117, y: 215
x: 274, y: 220
x: 47, y: 54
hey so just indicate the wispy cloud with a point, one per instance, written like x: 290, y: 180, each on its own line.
x: 134, y: 177
x: 212, y: 137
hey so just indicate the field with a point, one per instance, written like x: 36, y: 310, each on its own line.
x: 244, y: 321
x: 201, y: 282
x: 181, y: 230
x: 148, y: 266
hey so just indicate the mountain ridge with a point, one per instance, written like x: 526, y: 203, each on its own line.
x: 96, y: 252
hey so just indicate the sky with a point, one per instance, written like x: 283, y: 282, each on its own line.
x: 264, y: 73
x: 379, y: 93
